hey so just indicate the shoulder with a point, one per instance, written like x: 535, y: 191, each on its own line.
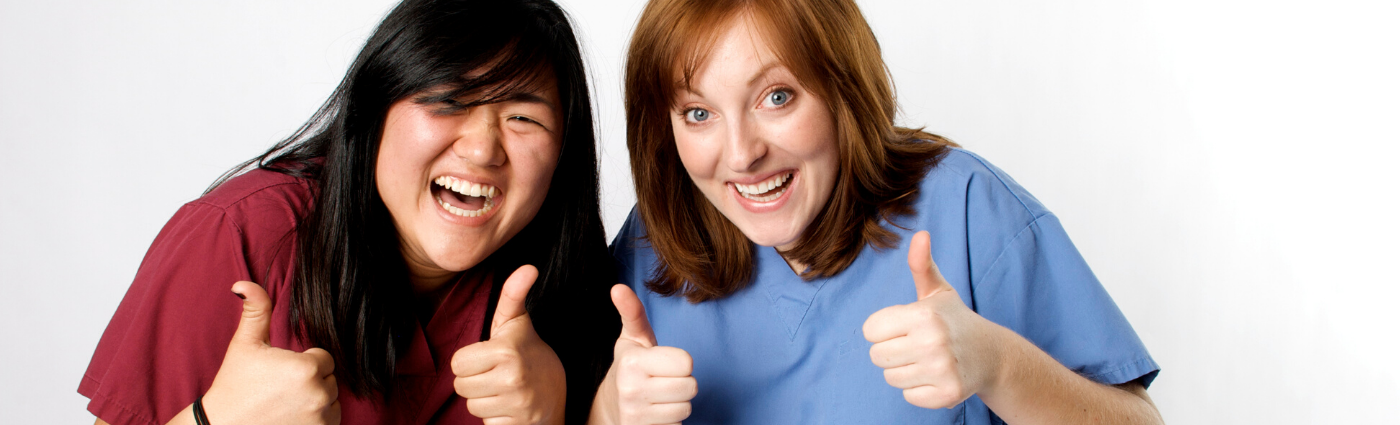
x: 250, y: 220
x: 967, y: 182
x: 258, y: 201
x: 631, y: 251
x: 257, y: 188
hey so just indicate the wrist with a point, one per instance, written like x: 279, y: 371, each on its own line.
x: 604, y: 410
x: 200, y: 418
x: 1004, y: 354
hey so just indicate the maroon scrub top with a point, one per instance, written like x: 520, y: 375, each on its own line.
x: 168, y: 337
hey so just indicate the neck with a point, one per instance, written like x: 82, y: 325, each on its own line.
x: 429, y: 281
x: 797, y: 266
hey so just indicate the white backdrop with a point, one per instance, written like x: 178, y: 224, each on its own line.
x: 1224, y: 165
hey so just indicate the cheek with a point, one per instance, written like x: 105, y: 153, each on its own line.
x: 534, y: 162
x: 412, y: 140
x: 696, y: 154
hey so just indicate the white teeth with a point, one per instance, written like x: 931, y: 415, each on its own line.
x: 485, y: 208
x: 751, y: 191
x: 468, y: 189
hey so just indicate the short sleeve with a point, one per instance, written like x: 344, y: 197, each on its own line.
x: 1026, y: 274
x: 625, y: 251
x: 169, y: 334
x: 1041, y: 288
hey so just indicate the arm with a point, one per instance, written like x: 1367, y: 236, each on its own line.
x: 940, y: 353
x: 185, y: 417
x: 177, y: 333
x: 258, y: 383
x: 1030, y: 387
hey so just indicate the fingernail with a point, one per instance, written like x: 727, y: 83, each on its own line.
x: 240, y: 296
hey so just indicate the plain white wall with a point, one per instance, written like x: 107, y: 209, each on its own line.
x: 1225, y: 166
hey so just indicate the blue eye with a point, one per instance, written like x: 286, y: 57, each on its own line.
x: 697, y: 115
x: 778, y: 98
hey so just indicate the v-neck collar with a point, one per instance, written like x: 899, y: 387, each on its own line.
x: 450, y: 323
x: 790, y: 295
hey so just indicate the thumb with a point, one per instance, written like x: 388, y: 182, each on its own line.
x: 512, y: 302
x: 927, y: 279
x: 257, y: 313
x: 634, y: 316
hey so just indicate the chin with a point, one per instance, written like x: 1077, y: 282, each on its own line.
x: 458, y: 261
x: 765, y: 236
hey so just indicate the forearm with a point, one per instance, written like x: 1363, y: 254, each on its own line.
x: 1032, y: 388
x: 604, y: 411
x: 185, y: 417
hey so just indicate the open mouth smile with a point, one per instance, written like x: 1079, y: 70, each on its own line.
x: 765, y: 191
x: 464, y: 198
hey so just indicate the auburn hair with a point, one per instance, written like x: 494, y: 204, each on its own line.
x: 831, y: 50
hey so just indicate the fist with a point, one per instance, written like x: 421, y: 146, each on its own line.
x: 647, y: 384
x: 513, y: 377
x: 931, y: 348
x: 261, y: 384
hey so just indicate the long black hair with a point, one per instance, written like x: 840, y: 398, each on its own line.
x: 352, y: 293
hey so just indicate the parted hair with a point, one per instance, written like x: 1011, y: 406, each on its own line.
x: 832, y: 51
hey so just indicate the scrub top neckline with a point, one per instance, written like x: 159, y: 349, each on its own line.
x: 790, y: 296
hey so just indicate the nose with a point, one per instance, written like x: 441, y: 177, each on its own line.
x: 745, y: 148
x: 479, y: 139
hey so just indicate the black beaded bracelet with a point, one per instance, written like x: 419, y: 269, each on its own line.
x: 199, y: 418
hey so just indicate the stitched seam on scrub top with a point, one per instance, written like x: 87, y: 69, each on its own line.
x: 997, y: 262
x: 1004, y: 185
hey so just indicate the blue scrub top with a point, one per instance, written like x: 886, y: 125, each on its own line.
x: 784, y: 350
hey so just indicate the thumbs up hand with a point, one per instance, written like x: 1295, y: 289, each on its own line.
x: 935, y: 349
x: 261, y: 384
x: 647, y: 384
x: 513, y: 377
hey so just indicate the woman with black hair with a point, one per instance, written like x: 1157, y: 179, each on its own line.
x: 453, y: 167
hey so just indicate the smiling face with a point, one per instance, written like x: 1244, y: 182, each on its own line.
x: 760, y: 146
x: 461, y: 181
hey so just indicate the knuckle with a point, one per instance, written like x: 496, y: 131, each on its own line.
x: 514, y: 380
x: 459, y: 359
x: 948, y: 396
x: 891, y: 377
x: 460, y: 386
x: 925, y: 397
x: 630, y: 361
x: 954, y: 391
x: 682, y: 411
x: 930, y: 343
x: 305, y: 368
x: 520, y: 403
x: 507, y: 356
x: 924, y: 315
x: 690, y: 389
x: 940, y: 366
x: 876, y: 355
x: 478, y: 406
x: 630, y: 390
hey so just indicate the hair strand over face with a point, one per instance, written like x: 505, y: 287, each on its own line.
x: 352, y: 292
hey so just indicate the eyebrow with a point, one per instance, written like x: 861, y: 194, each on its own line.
x: 527, y: 98
x: 763, y: 72
x: 767, y: 68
